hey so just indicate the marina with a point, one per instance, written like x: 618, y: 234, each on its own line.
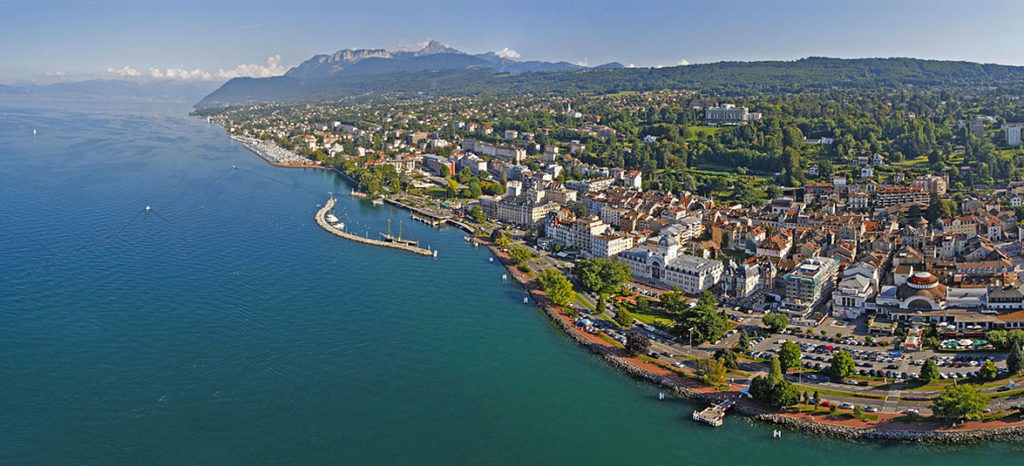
x: 321, y: 219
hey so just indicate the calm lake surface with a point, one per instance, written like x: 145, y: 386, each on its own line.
x: 224, y: 327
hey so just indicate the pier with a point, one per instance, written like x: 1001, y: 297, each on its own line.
x: 714, y: 414
x: 320, y: 220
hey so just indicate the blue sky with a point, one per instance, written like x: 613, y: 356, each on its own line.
x: 43, y: 40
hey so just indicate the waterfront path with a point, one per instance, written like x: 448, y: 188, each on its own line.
x: 320, y: 220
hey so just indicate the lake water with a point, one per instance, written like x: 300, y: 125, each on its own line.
x: 224, y: 327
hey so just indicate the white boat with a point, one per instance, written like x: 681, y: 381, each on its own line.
x: 378, y: 201
x: 526, y: 300
x: 490, y: 259
x: 33, y: 131
x: 331, y: 218
x: 147, y: 208
x: 504, y: 276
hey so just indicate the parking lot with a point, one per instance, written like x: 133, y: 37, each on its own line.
x: 874, y: 360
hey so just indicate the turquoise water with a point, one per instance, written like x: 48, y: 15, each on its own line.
x: 224, y: 327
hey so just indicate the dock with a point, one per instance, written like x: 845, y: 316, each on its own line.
x: 321, y: 220
x: 714, y: 414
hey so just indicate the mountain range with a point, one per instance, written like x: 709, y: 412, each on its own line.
x: 433, y: 56
x: 440, y: 70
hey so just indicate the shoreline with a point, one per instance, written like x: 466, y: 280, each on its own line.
x: 692, y: 390
x: 248, y: 144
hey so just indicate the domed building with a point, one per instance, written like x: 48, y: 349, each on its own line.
x: 922, y: 292
x: 920, y: 297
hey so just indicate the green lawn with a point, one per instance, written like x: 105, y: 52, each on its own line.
x: 696, y: 131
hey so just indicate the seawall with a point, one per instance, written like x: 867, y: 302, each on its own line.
x: 320, y: 220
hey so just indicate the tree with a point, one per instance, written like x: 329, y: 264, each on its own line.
x: 858, y: 411
x: 776, y: 321
x: 600, y: 304
x: 637, y: 342
x: 452, y: 189
x: 1015, y: 336
x: 962, y: 401
x: 711, y: 371
x: 519, y: 254
x: 728, y: 358
x: 703, y: 321
x: 998, y: 338
x: 445, y: 171
x: 673, y: 301
x: 503, y: 242
x: 743, y: 344
x: 622, y: 317
x: 841, y: 365
x: 1015, y: 360
x: 557, y: 287
x: 789, y: 355
x: 474, y: 189
x: 930, y: 370
x: 478, y: 214
x: 988, y: 370
x: 774, y: 390
x: 601, y: 275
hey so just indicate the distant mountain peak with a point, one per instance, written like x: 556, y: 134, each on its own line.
x: 434, y: 47
x: 434, y: 55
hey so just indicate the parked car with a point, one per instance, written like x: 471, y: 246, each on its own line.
x: 870, y: 409
x: 846, y: 406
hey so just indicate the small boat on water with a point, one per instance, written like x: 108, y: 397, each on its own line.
x: 490, y: 259
x: 147, y: 208
x: 504, y: 276
x: 332, y: 219
x: 526, y: 300
x: 355, y: 193
x: 378, y: 201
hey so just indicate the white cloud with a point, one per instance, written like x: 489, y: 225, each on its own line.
x: 123, y: 72
x: 406, y: 46
x: 56, y: 74
x: 272, y: 68
x: 683, y: 62
x: 584, y: 62
x: 630, y: 66
x: 507, y: 53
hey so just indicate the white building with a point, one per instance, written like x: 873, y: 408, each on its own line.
x: 855, y: 291
x: 809, y: 284
x: 729, y: 114
x: 609, y: 245
x: 663, y: 263
x: 1013, y: 133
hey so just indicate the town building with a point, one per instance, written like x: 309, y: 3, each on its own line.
x: 892, y: 195
x: 932, y: 183
x: 809, y: 284
x: 856, y: 291
x: 729, y: 114
x: 664, y: 264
